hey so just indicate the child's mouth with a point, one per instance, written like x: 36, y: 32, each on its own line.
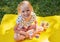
x: 27, y: 15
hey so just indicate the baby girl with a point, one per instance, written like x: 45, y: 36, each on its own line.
x: 26, y: 22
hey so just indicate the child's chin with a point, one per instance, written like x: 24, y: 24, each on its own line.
x: 26, y: 16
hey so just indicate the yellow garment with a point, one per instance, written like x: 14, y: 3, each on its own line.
x: 51, y: 35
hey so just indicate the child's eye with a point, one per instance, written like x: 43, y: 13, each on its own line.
x: 23, y: 11
x: 27, y: 10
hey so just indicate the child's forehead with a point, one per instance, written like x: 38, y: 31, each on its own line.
x: 24, y: 7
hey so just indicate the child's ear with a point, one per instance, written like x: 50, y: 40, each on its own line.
x: 19, y: 11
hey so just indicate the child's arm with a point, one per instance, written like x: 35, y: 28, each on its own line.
x: 20, y: 35
x: 18, y: 24
x: 15, y: 28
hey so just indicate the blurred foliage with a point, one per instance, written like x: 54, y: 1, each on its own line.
x: 41, y: 7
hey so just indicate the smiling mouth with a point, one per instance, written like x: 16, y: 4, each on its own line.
x: 26, y: 15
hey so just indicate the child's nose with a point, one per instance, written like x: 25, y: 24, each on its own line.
x: 25, y: 12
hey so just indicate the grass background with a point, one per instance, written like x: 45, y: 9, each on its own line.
x: 41, y: 7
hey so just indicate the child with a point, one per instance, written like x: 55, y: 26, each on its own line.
x: 26, y: 16
x: 24, y: 27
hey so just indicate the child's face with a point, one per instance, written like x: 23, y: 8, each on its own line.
x: 25, y: 11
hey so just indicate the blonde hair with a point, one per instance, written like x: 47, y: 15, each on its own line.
x: 22, y: 3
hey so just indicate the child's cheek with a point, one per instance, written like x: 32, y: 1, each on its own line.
x: 29, y: 12
x: 22, y: 14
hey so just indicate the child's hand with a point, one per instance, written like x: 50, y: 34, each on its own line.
x: 24, y: 33
x: 19, y: 37
x: 30, y: 33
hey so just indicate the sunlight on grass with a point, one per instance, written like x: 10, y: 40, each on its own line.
x: 51, y: 35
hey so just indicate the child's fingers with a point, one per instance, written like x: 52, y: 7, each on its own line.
x: 22, y: 37
x: 24, y: 33
x: 19, y: 37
